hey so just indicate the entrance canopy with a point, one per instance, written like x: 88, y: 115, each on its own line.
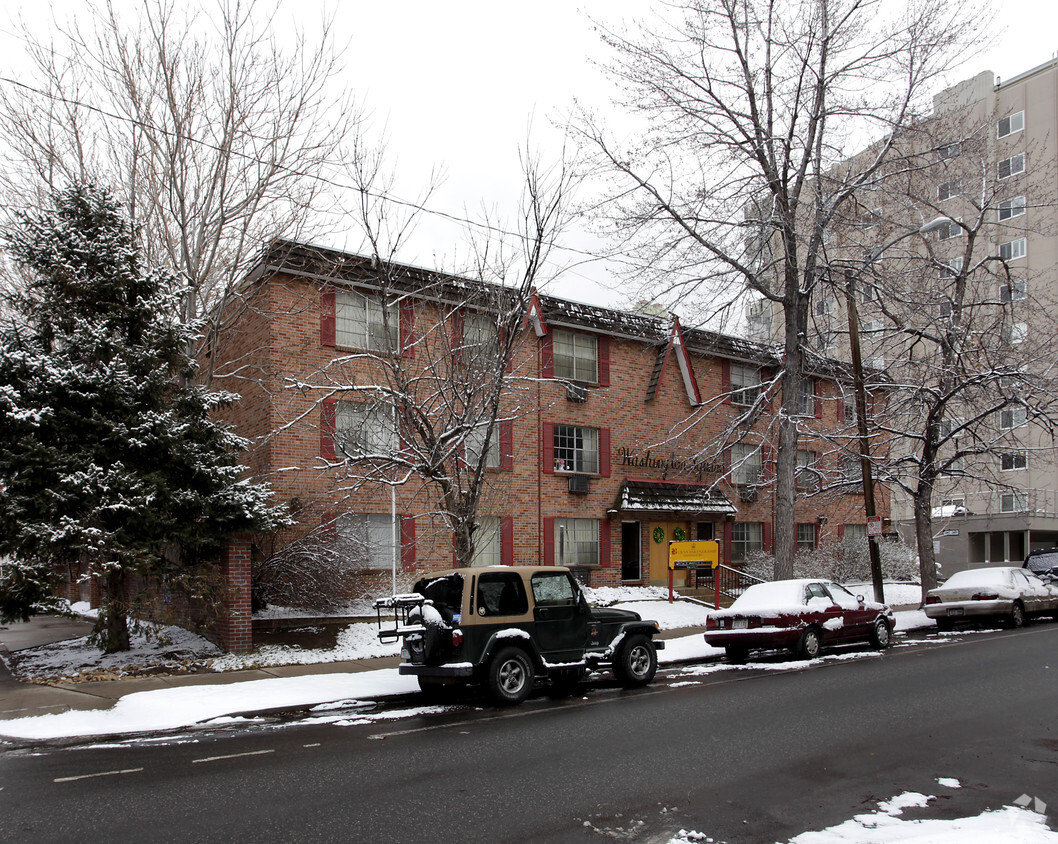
x: 641, y: 497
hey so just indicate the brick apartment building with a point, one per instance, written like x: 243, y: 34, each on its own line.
x: 598, y: 467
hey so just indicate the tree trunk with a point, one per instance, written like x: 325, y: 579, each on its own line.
x: 927, y: 564
x: 112, y: 626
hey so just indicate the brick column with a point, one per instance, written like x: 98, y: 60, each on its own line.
x: 235, y: 629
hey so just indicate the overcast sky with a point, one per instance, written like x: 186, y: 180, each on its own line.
x: 456, y: 85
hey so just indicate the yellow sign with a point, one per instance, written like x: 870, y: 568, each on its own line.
x: 684, y: 555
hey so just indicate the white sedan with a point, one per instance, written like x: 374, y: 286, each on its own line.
x: 1003, y: 593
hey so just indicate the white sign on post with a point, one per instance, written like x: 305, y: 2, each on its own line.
x: 874, y: 525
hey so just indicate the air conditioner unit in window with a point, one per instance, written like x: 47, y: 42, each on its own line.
x: 578, y: 485
x: 576, y: 392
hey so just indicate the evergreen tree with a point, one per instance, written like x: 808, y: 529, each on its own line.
x: 108, y: 454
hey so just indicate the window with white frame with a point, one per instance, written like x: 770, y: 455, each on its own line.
x: 480, y: 331
x: 851, y: 469
x: 364, y: 321
x: 487, y: 542
x: 1014, y: 291
x: 950, y: 268
x: 945, y: 308
x: 576, y: 356
x: 363, y: 429
x: 372, y: 536
x: 1016, y: 333
x: 946, y: 190
x: 955, y: 501
x: 1012, y: 166
x: 577, y: 542
x: 947, y: 151
x: 948, y: 230
x: 848, y: 403
x: 806, y: 536
x: 746, y: 538
x: 855, y: 534
x: 1013, y: 249
x: 746, y: 464
x: 824, y: 305
x: 475, y: 444
x: 745, y: 384
x: 1011, y: 208
x: 576, y: 449
x: 1010, y: 124
x: 806, y: 472
x: 1013, y: 502
x: 1011, y: 461
x: 1013, y: 417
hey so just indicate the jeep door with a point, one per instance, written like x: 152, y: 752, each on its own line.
x: 561, y: 620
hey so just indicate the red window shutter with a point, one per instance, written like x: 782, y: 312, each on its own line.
x: 507, y: 444
x: 816, y: 392
x: 841, y: 532
x: 548, y: 448
x: 507, y: 541
x: 327, y: 317
x: 725, y: 382
x: 604, y: 361
x: 604, y: 452
x: 328, y: 408
x: 547, y: 357
x: 455, y: 329
x: 329, y: 526
x: 841, y: 408
x: 766, y: 537
x: 407, y: 328
x: 407, y: 543
x: 549, y: 542
x: 604, y: 543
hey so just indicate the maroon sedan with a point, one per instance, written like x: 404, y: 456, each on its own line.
x: 801, y: 615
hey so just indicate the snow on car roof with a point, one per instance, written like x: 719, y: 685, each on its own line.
x: 994, y: 576
x: 777, y: 595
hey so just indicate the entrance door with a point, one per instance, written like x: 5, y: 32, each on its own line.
x: 631, y: 561
x: 659, y: 552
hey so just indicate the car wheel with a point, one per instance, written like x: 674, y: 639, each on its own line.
x: 810, y: 644
x: 1017, y: 615
x: 881, y: 635
x: 636, y: 662
x: 510, y: 677
x: 737, y: 654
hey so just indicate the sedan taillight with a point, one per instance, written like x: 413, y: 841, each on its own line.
x: 984, y: 596
x: 932, y: 599
x: 711, y: 623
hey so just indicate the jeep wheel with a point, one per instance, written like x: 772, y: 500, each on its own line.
x: 510, y: 677
x: 636, y: 662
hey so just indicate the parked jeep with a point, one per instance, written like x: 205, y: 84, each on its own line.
x: 506, y: 626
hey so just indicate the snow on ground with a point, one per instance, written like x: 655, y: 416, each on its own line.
x: 357, y: 641
x: 884, y: 826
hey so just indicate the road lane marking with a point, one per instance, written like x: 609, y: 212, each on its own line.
x: 100, y: 774
x: 314, y: 744
x: 231, y: 756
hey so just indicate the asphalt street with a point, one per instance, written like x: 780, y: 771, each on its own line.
x: 746, y: 755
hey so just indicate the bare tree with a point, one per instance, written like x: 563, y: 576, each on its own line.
x: 217, y: 138
x: 748, y: 104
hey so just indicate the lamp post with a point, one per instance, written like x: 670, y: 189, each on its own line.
x: 860, y: 392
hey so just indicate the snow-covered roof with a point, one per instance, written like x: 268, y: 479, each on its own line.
x: 645, y: 496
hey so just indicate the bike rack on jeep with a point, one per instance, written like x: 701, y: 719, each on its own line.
x: 401, y: 606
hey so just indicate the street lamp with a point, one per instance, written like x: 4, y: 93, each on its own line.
x: 860, y: 391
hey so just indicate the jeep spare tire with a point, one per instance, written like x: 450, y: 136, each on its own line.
x: 636, y: 662
x: 510, y: 676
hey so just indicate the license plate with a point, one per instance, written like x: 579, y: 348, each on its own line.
x: 740, y: 624
x: 955, y: 611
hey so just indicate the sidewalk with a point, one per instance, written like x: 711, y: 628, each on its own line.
x: 22, y: 700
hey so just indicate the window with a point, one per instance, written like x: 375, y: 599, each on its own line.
x: 746, y: 464
x: 1012, y: 166
x: 576, y: 356
x: 746, y: 538
x: 806, y: 402
x: 363, y: 430
x: 1016, y: 333
x: 487, y: 542
x: 1013, y: 417
x: 576, y: 449
x: 948, y: 151
x: 577, y: 542
x: 950, y: 268
x: 364, y: 322
x: 1011, y: 124
x: 855, y: 534
x: 480, y: 333
x: 1013, y: 502
x: 475, y: 444
x: 807, y: 474
x: 372, y: 536
x: 1011, y: 208
x: 946, y: 190
x: 554, y: 589
x: 1013, y: 460
x: 851, y: 469
x: 1013, y: 292
x: 848, y: 404
x: 948, y: 230
x: 824, y: 305
x: 806, y: 537
x: 745, y: 384
x: 1013, y: 249
x: 945, y: 309
x: 957, y: 502
x: 501, y: 593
